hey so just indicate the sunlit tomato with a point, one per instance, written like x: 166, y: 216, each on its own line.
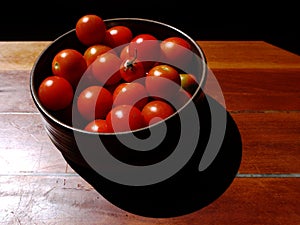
x: 98, y: 125
x: 124, y: 54
x: 189, y: 82
x: 124, y: 118
x: 94, y: 102
x: 69, y: 64
x: 106, y: 68
x: 162, y: 81
x: 55, y: 93
x: 146, y: 48
x: 176, y: 51
x: 93, y: 51
x: 132, y: 69
x: 117, y: 35
x: 90, y: 30
x: 132, y: 93
x: 156, y: 110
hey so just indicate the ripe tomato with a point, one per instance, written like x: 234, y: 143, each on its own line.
x: 189, y: 82
x: 124, y: 118
x: 176, y: 51
x: 106, y: 68
x: 146, y: 48
x: 94, y: 102
x: 98, y: 125
x: 156, y: 110
x: 117, y: 35
x: 131, y: 93
x: 132, y: 69
x: 90, y: 29
x: 69, y: 64
x: 93, y: 51
x: 55, y: 93
x: 162, y: 81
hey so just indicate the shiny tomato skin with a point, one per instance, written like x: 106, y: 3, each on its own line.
x: 93, y: 51
x: 90, y: 29
x: 124, y: 118
x: 69, y: 64
x: 156, y: 110
x: 94, y: 102
x: 98, y: 126
x: 106, y: 68
x: 130, y: 93
x: 132, y: 69
x: 146, y: 48
x: 176, y: 51
x: 162, y: 81
x: 117, y: 35
x: 55, y: 93
x: 189, y: 82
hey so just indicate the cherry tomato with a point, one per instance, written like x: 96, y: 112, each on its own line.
x: 69, y: 64
x: 94, y: 102
x: 189, y: 82
x: 90, y: 29
x: 132, y: 93
x: 162, y: 81
x: 156, y: 110
x: 176, y: 51
x: 93, y: 51
x: 124, y: 118
x: 132, y: 69
x: 146, y: 48
x: 124, y: 54
x: 106, y: 68
x: 55, y: 93
x: 117, y: 35
x: 98, y: 125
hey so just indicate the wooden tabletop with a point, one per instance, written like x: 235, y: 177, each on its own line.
x: 260, y: 88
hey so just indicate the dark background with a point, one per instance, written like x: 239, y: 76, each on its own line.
x: 275, y: 23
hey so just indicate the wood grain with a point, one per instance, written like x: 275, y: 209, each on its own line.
x: 256, y: 81
x: 70, y: 200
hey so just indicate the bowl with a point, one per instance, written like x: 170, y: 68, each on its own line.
x: 141, y: 160
x: 67, y: 137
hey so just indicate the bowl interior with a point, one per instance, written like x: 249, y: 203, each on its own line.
x: 42, y: 67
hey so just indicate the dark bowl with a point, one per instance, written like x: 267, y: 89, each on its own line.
x: 138, y: 170
x: 67, y: 137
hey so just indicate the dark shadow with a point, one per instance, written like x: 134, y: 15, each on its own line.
x: 187, y: 191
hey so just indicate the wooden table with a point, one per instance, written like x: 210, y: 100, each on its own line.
x: 260, y: 84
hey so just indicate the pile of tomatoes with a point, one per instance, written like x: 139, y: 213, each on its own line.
x: 121, y: 82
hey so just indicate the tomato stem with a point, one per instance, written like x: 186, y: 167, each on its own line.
x: 129, y: 63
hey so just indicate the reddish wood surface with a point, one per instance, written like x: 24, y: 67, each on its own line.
x: 260, y: 87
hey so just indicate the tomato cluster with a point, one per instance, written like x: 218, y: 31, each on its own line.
x: 122, y: 81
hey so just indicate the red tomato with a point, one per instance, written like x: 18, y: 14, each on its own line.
x: 124, y: 54
x: 93, y: 51
x: 106, y: 68
x: 69, y: 64
x: 55, y: 93
x: 98, y: 125
x: 189, y: 82
x: 90, y: 30
x: 132, y: 69
x: 162, y: 81
x: 146, y: 48
x: 156, y: 110
x: 117, y: 35
x: 124, y: 118
x: 130, y: 94
x: 176, y: 51
x: 94, y: 102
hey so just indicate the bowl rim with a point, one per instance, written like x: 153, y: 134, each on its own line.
x: 48, y: 115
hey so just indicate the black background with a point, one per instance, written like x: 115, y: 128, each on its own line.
x: 275, y: 23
